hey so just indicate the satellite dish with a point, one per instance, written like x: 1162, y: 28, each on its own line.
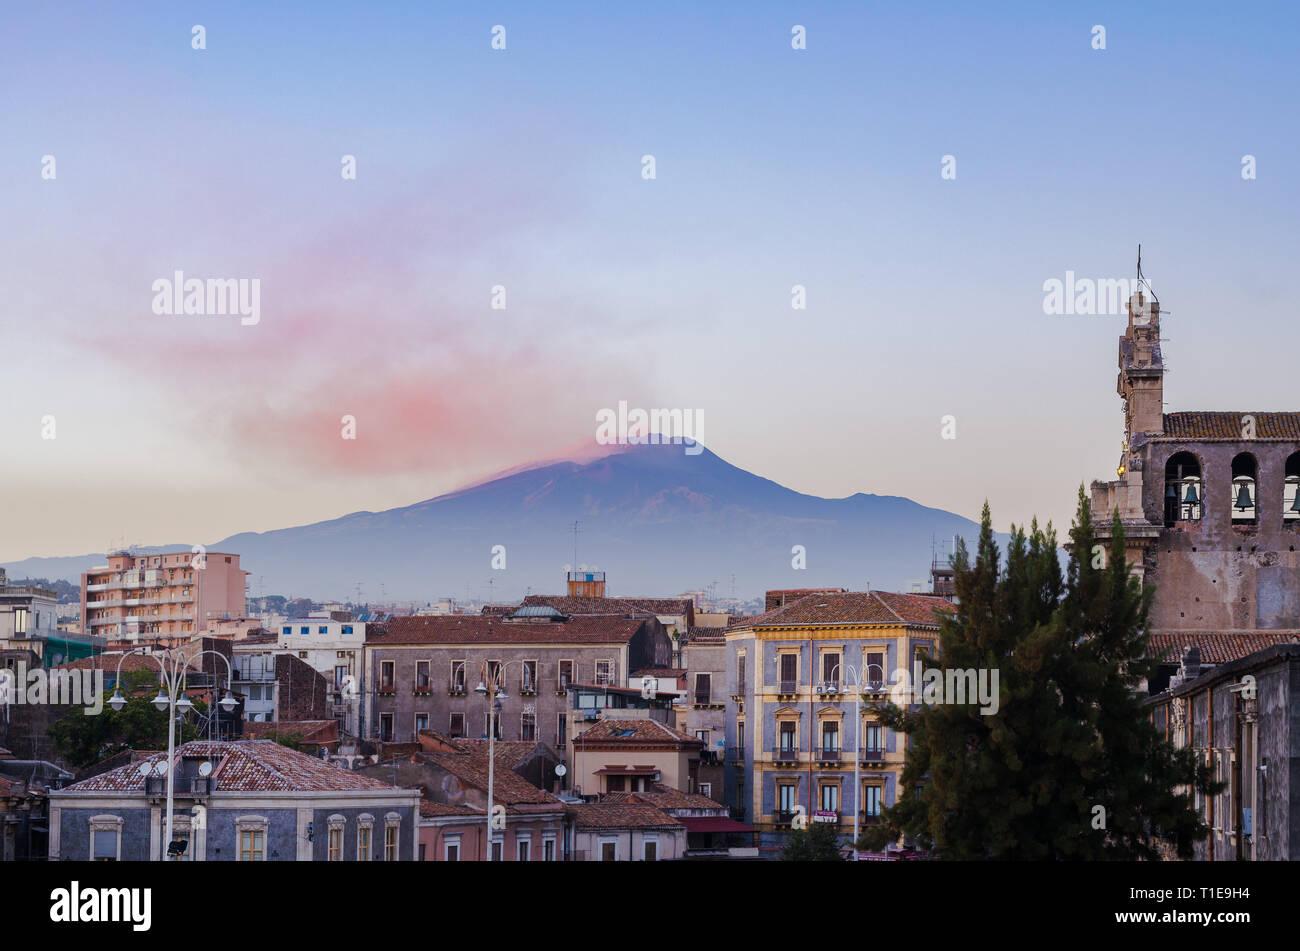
x: 161, y: 768
x: 561, y: 769
x: 205, y: 769
x: 146, y: 769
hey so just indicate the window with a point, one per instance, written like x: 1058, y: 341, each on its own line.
x: 740, y: 736
x: 494, y: 671
x: 1291, y: 490
x: 706, y: 790
x: 703, y: 687
x: 20, y: 620
x: 365, y: 823
x: 740, y: 673
x: 605, y: 673
x: 421, y: 722
x: 322, y: 629
x: 451, y: 849
x: 1244, y: 472
x: 609, y: 851
x: 1183, y: 492
x: 873, y: 740
x: 831, y: 668
x: 392, y: 826
x: 528, y: 680
x: 252, y: 838
x: 787, y: 796
x: 789, y: 672
x: 650, y: 850
x: 340, y: 675
x: 562, y: 731
x: 305, y: 630
x: 522, y: 846
x: 346, y: 629
x: 288, y: 629
x: 457, y: 726
x: 871, y: 800
x: 566, y: 674
x: 106, y: 838
x: 386, y: 727
x: 421, y: 675
x: 422, y: 858
x: 548, y: 850
x: 336, y: 844
x: 789, y: 738
x: 703, y: 736
x: 386, y: 676
x: 498, y: 850
x: 495, y: 720
x: 830, y: 799
x: 874, y: 672
x: 830, y: 736
x: 740, y: 794
x: 458, y: 676
x: 528, y: 726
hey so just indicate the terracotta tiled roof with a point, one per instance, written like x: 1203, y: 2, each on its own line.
x: 320, y: 731
x: 856, y: 607
x: 1190, y: 426
x: 660, y: 672
x: 601, y: 815
x: 478, y: 628
x: 109, y: 661
x: 436, y: 809
x: 510, y: 753
x: 471, y: 767
x: 569, y: 605
x: 1216, y: 647
x: 244, y: 766
x: 643, y: 732
x: 707, y: 635
x: 663, y: 797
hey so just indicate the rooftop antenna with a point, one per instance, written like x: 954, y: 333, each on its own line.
x: 575, y: 544
x: 1141, y: 278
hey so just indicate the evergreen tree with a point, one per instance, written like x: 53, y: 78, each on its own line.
x: 819, y: 842
x: 1070, y: 733
x: 84, y: 740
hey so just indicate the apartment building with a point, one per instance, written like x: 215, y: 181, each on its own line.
x: 333, y: 645
x: 793, y: 674
x: 27, y: 615
x: 423, y: 670
x: 146, y: 597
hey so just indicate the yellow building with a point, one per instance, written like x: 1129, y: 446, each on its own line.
x: 793, y: 675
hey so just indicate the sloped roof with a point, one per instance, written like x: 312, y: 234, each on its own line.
x: 244, y: 766
x: 606, y: 815
x: 471, y: 768
x: 617, y: 732
x: 1228, y: 425
x: 108, y: 661
x: 572, y: 605
x: 662, y: 797
x: 856, y: 607
x: 1215, y: 647
x: 478, y: 628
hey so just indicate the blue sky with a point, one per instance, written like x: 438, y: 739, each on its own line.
x: 521, y: 167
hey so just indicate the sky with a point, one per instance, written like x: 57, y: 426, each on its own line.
x: 522, y: 168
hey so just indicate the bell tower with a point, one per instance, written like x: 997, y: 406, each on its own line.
x: 1141, y: 368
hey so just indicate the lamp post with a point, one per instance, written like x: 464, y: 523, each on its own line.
x: 489, y: 687
x: 172, y: 666
x: 859, y: 677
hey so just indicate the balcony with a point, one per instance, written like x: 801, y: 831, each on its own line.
x: 736, y: 754
x: 422, y: 689
x: 455, y: 690
x: 828, y: 755
x: 830, y: 688
x: 386, y: 690
x: 528, y: 687
x: 872, y: 754
x: 785, y: 754
x: 787, y: 687
x: 782, y: 818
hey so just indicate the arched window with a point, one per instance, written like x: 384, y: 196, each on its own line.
x: 1183, y: 490
x: 1291, y: 491
x: 1244, y: 510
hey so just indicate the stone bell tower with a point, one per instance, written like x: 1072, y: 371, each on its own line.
x: 1141, y: 368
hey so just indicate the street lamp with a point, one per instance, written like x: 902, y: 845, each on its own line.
x: 489, y: 687
x: 172, y: 668
x: 859, y: 677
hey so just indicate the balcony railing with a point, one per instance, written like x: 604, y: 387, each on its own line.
x: 702, y: 700
x: 782, y: 818
x: 828, y: 754
x: 735, y: 754
x: 787, y: 686
x: 528, y: 687
x: 872, y: 754
x: 787, y: 753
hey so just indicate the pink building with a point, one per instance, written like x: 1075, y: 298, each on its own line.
x: 145, y: 597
